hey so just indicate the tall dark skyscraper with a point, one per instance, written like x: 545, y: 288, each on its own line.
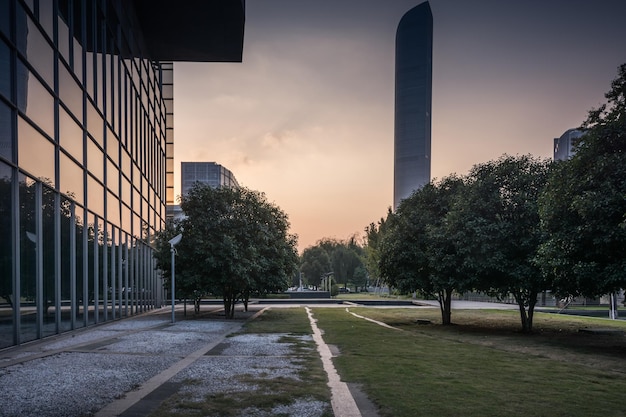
x: 414, y: 51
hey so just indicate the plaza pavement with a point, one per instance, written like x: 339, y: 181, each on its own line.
x: 127, y: 367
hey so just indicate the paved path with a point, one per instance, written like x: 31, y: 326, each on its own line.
x: 341, y: 398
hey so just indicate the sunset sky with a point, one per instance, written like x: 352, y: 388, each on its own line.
x: 307, y: 118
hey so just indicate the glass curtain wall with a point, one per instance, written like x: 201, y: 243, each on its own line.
x: 82, y: 168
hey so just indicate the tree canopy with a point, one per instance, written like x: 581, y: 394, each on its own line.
x: 415, y: 253
x: 583, y: 208
x: 235, y: 243
x: 496, y: 220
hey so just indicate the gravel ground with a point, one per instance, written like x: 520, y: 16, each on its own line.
x: 97, y: 366
x: 73, y: 384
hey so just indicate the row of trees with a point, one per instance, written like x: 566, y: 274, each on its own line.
x: 235, y: 243
x: 343, y: 260
x: 517, y: 226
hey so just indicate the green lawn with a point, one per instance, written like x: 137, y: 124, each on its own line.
x: 482, y: 366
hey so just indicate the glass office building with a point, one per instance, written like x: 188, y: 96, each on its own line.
x: 413, y: 102
x: 86, y: 148
x: 209, y: 173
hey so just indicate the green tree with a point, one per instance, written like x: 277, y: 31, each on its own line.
x: 343, y: 258
x: 496, y: 228
x: 373, y: 236
x: 583, y: 208
x: 416, y: 253
x: 235, y: 243
x: 314, y: 263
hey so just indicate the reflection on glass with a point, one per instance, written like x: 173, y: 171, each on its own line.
x: 78, y: 59
x: 113, y: 209
x: 5, y: 70
x: 89, y: 75
x: 95, y: 196
x: 35, y: 152
x: 113, y: 146
x: 81, y: 269
x: 100, y: 82
x: 95, y: 125
x: 95, y: 162
x: 64, y: 40
x: 46, y: 16
x: 7, y: 297
x: 68, y: 268
x: 28, y: 259
x: 37, y: 103
x: 71, y: 178
x: 70, y: 135
x: 92, y: 253
x: 70, y: 93
x: 6, y: 141
x: 36, y: 49
x: 126, y: 190
x: 126, y: 217
x: 48, y: 248
x: 113, y: 181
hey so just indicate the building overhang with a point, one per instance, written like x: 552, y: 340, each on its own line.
x: 192, y: 30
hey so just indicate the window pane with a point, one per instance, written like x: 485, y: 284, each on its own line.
x: 36, y: 153
x: 37, y: 50
x: 46, y: 16
x: 70, y: 93
x: 64, y: 39
x: 48, y: 255
x: 113, y: 209
x: 6, y: 260
x: 28, y: 257
x: 95, y: 196
x: 6, y: 141
x: 71, y: 178
x: 37, y: 102
x: 70, y: 135
x: 5, y: 70
x: 95, y: 163
x: 67, y: 266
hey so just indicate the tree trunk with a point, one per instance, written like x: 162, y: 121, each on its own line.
x: 227, y: 305
x: 245, y: 298
x: 526, y: 313
x: 445, y: 305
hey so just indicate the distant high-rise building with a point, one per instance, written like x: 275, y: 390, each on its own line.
x: 208, y: 173
x: 414, y: 46
x: 565, y: 146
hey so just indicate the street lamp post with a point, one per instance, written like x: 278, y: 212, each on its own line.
x: 173, y: 242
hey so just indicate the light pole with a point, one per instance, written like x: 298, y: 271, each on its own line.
x: 173, y: 242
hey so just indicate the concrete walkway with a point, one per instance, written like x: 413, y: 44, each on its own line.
x: 341, y: 398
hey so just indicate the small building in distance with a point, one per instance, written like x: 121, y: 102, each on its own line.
x: 565, y: 146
